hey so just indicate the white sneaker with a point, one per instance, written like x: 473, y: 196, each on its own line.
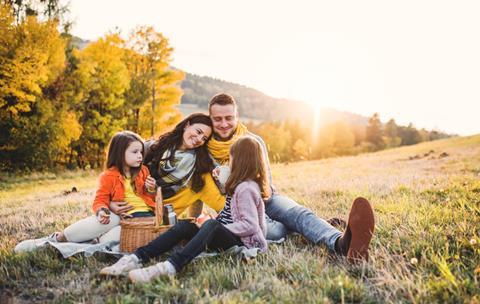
x: 126, y: 263
x: 147, y: 274
x: 31, y: 245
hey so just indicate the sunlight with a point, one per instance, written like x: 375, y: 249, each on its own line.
x: 316, y: 122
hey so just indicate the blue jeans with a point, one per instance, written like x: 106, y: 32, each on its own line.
x: 275, y: 230
x: 212, y: 235
x: 300, y: 219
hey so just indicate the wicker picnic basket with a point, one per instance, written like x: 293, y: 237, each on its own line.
x: 140, y: 231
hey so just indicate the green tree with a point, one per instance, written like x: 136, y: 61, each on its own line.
x: 374, y: 132
x: 409, y: 135
x: 391, y: 137
x: 335, y: 139
x: 300, y: 140
x: 96, y: 87
x: 52, y: 10
x: 277, y: 138
x: 148, y: 58
x: 301, y: 150
x: 32, y: 118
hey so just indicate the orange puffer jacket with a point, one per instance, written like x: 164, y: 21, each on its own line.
x: 112, y: 188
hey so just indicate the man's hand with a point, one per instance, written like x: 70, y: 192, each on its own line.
x: 120, y: 208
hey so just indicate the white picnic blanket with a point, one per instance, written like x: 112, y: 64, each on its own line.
x: 68, y: 249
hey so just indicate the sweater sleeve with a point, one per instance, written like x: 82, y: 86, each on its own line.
x: 246, y: 199
x: 103, y: 194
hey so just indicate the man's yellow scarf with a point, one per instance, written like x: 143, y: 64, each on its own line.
x: 220, y: 150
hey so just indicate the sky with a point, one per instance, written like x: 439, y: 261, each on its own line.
x: 414, y: 61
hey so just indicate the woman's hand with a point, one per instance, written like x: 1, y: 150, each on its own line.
x: 120, y: 208
x: 150, y: 184
x: 103, y: 216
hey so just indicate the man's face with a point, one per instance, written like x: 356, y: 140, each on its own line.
x: 224, y: 119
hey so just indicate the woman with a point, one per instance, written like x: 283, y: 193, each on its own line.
x: 179, y: 161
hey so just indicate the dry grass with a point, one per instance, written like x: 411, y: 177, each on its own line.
x: 426, y: 247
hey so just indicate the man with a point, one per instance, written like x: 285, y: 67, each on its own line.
x: 356, y: 239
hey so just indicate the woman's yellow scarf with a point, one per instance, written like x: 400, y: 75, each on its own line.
x: 220, y: 150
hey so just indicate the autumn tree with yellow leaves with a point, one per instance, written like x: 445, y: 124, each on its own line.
x: 153, y: 91
x: 36, y: 127
x: 59, y: 105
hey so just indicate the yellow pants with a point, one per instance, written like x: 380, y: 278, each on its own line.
x: 209, y: 195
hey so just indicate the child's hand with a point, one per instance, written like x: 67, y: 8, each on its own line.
x: 216, y: 172
x: 150, y: 184
x: 202, y: 218
x: 103, y: 216
x: 221, y: 173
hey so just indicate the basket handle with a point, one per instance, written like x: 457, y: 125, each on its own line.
x: 159, y: 208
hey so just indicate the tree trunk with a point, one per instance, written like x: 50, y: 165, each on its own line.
x: 153, y: 110
x: 137, y: 120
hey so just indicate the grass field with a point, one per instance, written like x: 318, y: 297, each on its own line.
x: 426, y: 247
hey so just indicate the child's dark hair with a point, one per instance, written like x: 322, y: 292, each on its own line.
x: 116, y: 153
x: 173, y: 140
x: 248, y: 163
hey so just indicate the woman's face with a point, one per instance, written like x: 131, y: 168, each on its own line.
x: 195, y: 135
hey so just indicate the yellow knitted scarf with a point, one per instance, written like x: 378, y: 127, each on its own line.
x: 220, y: 150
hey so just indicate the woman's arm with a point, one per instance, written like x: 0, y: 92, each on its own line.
x: 195, y: 209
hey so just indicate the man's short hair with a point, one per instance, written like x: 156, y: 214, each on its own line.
x: 222, y: 99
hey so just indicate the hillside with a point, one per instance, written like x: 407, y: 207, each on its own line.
x: 255, y: 105
x: 252, y: 103
x: 426, y: 247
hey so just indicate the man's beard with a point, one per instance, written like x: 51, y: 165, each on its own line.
x: 219, y: 138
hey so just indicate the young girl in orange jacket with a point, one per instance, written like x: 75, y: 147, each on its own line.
x: 125, y: 179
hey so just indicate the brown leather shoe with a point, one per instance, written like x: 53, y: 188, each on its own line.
x: 356, y: 239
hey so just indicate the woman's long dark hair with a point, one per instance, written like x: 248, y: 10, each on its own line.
x: 116, y: 153
x: 173, y: 140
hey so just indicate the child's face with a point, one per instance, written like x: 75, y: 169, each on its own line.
x: 133, y: 154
